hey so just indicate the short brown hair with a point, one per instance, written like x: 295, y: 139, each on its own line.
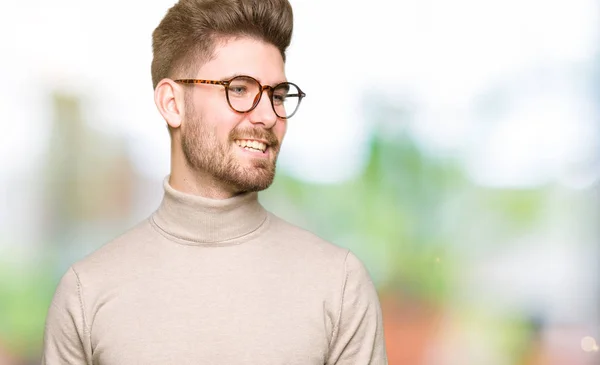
x: 186, y: 36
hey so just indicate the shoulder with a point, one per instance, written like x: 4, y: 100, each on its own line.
x: 302, y: 240
x: 316, y: 252
x: 320, y: 252
x: 118, y: 254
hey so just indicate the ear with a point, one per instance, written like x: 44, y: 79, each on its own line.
x: 169, y: 99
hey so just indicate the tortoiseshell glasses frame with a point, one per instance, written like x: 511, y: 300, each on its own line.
x: 289, y: 93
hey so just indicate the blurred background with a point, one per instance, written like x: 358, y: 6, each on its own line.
x: 454, y: 146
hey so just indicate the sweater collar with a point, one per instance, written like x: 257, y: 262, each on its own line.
x: 202, y: 220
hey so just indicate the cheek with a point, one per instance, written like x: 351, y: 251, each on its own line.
x: 223, y: 123
x: 229, y: 125
x: 218, y: 116
x: 280, y: 129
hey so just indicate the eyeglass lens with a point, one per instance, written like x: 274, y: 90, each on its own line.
x: 244, y: 91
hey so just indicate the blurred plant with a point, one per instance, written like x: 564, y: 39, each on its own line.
x: 413, y: 218
x: 24, y: 296
x: 393, y: 215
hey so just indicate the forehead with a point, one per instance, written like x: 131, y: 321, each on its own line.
x: 244, y: 56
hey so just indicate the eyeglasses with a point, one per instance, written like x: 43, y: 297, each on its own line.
x: 244, y: 93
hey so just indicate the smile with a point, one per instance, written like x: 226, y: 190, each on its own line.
x: 251, y: 145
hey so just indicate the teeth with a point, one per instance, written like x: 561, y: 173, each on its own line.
x: 245, y: 143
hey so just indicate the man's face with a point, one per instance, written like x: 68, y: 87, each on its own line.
x: 216, y: 140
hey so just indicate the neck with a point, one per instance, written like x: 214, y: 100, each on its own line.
x: 204, y: 186
x: 197, y: 219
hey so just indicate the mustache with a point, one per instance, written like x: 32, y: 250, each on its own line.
x: 255, y: 133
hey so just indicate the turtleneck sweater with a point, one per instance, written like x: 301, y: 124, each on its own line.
x: 205, y: 281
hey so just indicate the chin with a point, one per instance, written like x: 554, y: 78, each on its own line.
x: 254, y: 183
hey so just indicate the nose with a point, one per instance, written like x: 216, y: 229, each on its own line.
x: 263, y: 113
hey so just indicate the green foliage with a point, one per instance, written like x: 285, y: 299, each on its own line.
x: 408, y: 213
x: 389, y: 215
x: 24, y: 298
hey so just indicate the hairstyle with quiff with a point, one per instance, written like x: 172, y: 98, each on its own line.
x: 187, y: 35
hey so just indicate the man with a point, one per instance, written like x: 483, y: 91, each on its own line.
x: 212, y: 277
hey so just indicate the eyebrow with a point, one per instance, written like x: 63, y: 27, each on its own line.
x: 229, y: 77
x: 241, y: 74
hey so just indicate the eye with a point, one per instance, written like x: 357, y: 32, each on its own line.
x: 279, y: 98
x: 238, y: 90
x: 243, y: 87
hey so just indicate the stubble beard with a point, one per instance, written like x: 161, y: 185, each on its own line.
x: 207, y: 156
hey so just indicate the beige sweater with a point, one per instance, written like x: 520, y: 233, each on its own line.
x: 213, y: 282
